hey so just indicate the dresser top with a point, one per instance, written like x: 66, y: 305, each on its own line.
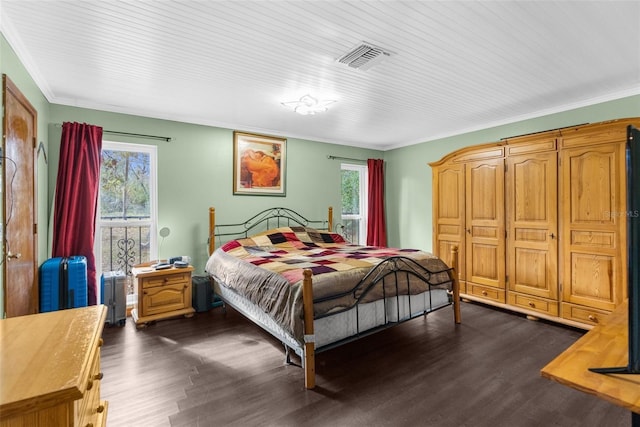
x: 45, y: 358
x: 606, y: 345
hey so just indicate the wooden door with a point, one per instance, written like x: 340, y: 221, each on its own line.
x: 448, y: 214
x: 20, y: 214
x: 484, y: 208
x: 532, y: 207
x: 593, y: 226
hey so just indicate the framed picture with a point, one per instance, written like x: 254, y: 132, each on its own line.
x: 259, y: 164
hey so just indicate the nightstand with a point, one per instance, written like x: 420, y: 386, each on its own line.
x: 161, y: 294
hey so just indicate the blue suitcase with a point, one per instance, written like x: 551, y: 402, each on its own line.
x: 63, y: 283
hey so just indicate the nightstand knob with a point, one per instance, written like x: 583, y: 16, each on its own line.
x: 100, y: 409
x: 593, y: 318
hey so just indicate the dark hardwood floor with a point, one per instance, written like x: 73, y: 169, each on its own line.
x: 219, y: 369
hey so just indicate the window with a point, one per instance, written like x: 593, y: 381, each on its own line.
x: 127, y: 208
x: 354, y: 203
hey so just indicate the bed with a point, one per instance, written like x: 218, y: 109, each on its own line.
x: 313, y: 290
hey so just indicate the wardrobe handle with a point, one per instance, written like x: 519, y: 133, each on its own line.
x: 469, y: 230
x: 553, y: 236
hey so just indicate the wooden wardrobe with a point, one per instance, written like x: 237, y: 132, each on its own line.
x: 540, y: 221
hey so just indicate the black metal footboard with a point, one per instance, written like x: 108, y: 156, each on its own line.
x: 387, y: 282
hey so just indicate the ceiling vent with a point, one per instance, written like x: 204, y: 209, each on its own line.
x: 364, y: 56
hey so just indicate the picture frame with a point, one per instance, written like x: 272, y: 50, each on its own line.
x: 259, y: 164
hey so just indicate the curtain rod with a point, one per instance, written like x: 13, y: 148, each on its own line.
x: 139, y: 135
x: 330, y: 157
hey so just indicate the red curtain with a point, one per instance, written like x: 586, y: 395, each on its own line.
x: 74, y: 217
x: 376, y: 228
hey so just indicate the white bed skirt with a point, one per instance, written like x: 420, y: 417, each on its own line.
x: 365, y: 317
x: 340, y: 326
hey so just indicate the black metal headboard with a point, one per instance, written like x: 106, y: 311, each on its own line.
x: 265, y: 220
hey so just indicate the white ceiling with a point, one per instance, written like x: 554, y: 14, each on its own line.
x: 456, y: 66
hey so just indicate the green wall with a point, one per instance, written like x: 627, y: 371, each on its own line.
x: 195, y: 172
x: 408, y: 175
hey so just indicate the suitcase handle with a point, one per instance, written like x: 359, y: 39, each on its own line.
x: 63, y: 301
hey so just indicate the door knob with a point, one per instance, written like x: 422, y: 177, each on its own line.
x: 12, y: 255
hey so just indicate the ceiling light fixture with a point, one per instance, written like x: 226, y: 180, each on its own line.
x: 308, y: 105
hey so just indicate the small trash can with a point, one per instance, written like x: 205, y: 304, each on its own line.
x: 201, y: 293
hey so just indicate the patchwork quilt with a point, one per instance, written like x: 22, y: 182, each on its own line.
x: 268, y: 270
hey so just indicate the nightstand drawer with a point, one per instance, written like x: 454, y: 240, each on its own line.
x: 166, y: 280
x: 164, y: 299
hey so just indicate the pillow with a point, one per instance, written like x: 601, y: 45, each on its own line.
x: 301, y: 234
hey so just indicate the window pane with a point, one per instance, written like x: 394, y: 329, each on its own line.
x: 124, y: 246
x: 351, y: 230
x: 350, y: 192
x: 124, y: 185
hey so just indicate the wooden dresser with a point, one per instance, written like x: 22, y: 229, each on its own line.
x: 50, y: 369
x: 604, y: 346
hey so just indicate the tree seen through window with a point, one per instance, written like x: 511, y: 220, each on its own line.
x: 124, y: 184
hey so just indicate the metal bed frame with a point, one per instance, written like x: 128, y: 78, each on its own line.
x: 265, y: 220
x: 396, y: 271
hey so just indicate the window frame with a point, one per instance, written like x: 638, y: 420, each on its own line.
x: 152, y: 222
x: 363, y: 178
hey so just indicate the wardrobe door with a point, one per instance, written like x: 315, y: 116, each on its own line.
x: 485, y: 239
x: 448, y: 214
x: 593, y: 228
x: 532, y: 207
